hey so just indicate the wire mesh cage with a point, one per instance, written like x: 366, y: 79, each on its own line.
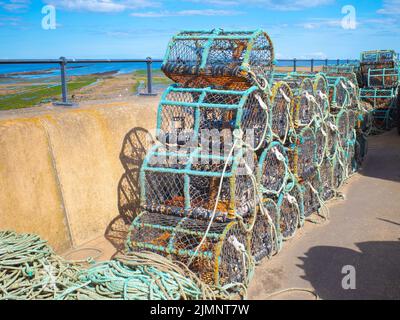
x: 263, y: 239
x: 308, y: 86
x: 281, y: 101
x: 349, y: 78
x: 383, y: 119
x: 342, y: 125
x: 354, y: 94
x: 339, y: 169
x: 218, y: 256
x: 289, y: 214
x: 346, y: 71
x: 352, y: 115
x: 350, y: 153
x: 302, y: 154
x: 321, y: 140
x: 383, y: 78
x: 379, y: 98
x: 305, y: 106
x: 228, y: 59
x: 361, y: 149
x: 321, y: 94
x: 377, y: 60
x: 338, y: 94
x: 311, y: 189
x: 332, y: 137
x: 378, y: 56
x: 189, y: 116
x: 190, y: 183
x: 325, y: 172
x: 273, y: 173
x: 338, y: 70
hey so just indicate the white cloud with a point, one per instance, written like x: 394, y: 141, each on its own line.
x: 103, y: 5
x: 15, y: 5
x: 282, y: 5
x: 184, y: 13
x: 314, y: 55
x: 10, y: 21
x: 390, y: 7
x: 319, y: 23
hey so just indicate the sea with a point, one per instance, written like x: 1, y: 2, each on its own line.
x: 22, y: 72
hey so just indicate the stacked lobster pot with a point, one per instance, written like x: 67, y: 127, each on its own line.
x: 243, y: 155
x: 352, y: 148
x: 306, y: 139
x: 199, y: 194
x: 380, y: 80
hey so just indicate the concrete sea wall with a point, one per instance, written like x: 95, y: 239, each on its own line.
x: 66, y: 173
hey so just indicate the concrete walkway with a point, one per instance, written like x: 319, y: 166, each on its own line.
x: 363, y: 232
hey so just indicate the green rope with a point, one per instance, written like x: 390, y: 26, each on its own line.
x: 30, y: 270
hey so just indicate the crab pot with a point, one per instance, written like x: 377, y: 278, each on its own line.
x: 354, y: 93
x: 281, y: 101
x: 220, y: 260
x: 377, y: 60
x: 297, y: 82
x: 302, y: 154
x: 379, y: 98
x: 272, y: 173
x: 263, y: 237
x: 339, y: 169
x: 321, y: 141
x: 383, y: 78
x: 349, y: 77
x: 361, y: 149
x: 315, y: 85
x: 187, y: 116
x: 383, y: 119
x: 289, y: 215
x: 186, y: 183
x: 350, y: 153
x: 365, y: 118
x: 342, y: 124
x: 338, y: 70
x: 321, y: 94
x: 325, y: 172
x: 311, y: 189
x: 304, y: 107
x: 352, y: 116
x: 304, y: 104
x: 295, y: 190
x: 338, y: 93
x: 332, y: 137
x: 226, y: 59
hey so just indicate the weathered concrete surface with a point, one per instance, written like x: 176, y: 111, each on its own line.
x: 30, y: 198
x: 60, y: 169
x: 363, y: 232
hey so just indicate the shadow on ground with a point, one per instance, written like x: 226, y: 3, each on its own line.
x: 376, y: 268
x: 383, y: 149
x: 134, y: 148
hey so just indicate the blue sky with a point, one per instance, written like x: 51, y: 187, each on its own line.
x: 141, y: 28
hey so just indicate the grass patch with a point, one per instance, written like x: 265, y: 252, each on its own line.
x: 158, y: 78
x: 34, y: 95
